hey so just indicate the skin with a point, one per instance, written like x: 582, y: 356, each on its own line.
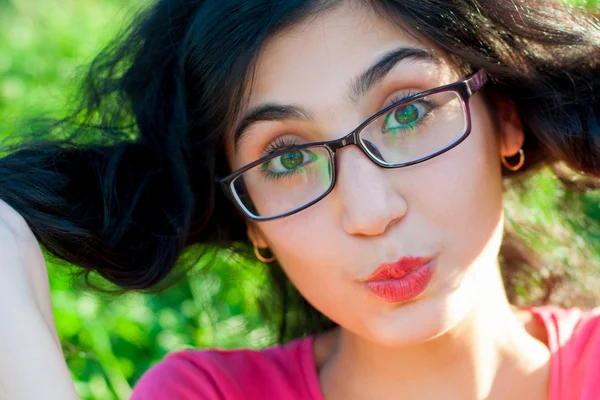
x: 32, y: 364
x: 460, y: 338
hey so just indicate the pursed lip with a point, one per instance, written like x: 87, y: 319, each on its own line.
x: 398, y: 269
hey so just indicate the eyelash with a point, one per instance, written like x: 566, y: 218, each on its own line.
x: 279, y: 144
x: 399, y: 98
x: 282, y: 143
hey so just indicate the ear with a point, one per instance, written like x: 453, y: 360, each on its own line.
x: 510, y: 128
x: 256, y: 236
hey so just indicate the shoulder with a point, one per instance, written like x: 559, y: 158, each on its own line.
x: 572, y: 328
x: 274, y: 372
x: 574, y: 340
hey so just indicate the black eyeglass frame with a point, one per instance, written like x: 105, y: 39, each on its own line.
x: 465, y: 89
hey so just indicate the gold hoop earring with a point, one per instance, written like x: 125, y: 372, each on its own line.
x: 519, y: 164
x: 261, y: 257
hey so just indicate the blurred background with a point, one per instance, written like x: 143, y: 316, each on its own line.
x: 109, y: 340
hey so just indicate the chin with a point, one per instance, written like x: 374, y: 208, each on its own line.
x: 417, y: 322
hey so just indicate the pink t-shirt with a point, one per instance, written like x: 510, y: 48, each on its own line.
x: 288, y: 372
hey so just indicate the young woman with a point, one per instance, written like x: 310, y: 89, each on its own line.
x: 358, y: 146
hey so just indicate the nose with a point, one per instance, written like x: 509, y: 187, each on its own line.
x: 371, y: 204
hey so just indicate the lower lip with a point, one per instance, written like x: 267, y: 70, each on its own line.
x: 408, y: 287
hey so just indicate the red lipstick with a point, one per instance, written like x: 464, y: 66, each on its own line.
x: 402, y: 280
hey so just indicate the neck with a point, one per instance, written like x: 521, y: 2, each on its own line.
x: 466, y: 362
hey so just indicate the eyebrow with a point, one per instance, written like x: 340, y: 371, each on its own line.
x: 361, y: 85
x: 358, y: 88
x: 271, y: 112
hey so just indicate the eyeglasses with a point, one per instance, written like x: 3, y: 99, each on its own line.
x: 408, y: 132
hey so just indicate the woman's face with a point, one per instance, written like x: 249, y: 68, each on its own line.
x: 448, y: 208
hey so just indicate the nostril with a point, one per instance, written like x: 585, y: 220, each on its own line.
x: 374, y: 226
x: 375, y: 214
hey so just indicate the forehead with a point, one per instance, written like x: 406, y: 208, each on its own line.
x: 311, y: 63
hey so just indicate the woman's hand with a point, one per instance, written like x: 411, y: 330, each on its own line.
x: 32, y: 364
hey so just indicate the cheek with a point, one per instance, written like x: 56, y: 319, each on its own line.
x: 312, y: 249
x: 304, y: 241
x: 460, y: 193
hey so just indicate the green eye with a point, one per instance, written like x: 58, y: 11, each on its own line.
x: 292, y: 160
x: 407, y: 115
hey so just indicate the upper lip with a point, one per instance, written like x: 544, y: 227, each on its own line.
x: 398, y: 269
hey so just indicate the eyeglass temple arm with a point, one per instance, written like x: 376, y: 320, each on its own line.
x: 477, y: 80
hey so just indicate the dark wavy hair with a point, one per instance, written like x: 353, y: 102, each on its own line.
x: 125, y: 184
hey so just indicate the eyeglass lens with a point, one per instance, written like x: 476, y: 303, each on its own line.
x: 408, y: 132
